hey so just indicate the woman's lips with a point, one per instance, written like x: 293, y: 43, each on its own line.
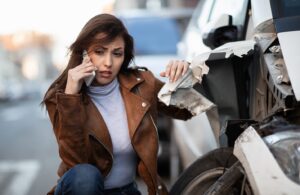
x: 105, y: 74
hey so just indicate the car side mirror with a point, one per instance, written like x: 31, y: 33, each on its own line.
x: 219, y: 32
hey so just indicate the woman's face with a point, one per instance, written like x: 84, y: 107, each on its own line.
x: 108, y: 59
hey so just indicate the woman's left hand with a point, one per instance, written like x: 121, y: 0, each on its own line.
x: 175, y: 69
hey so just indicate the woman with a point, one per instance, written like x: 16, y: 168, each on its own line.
x: 106, y: 131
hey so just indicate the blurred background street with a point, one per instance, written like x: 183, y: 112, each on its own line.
x: 34, y: 40
x: 29, y: 157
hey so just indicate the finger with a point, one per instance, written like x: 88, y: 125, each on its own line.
x: 162, y: 74
x: 178, y: 71
x: 185, y: 67
x: 168, y: 68
x: 173, y: 71
x: 84, y: 66
x: 79, y: 67
x: 87, y: 74
x: 77, y: 76
x: 89, y: 68
x: 87, y: 64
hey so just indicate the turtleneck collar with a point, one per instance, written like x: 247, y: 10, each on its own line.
x: 104, y: 89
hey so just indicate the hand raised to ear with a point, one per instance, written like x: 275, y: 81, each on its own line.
x: 77, y: 74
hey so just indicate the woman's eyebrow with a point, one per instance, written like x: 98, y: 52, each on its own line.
x: 119, y: 48
x: 105, y: 48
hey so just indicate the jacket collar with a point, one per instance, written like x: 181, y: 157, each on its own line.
x: 136, y: 106
x: 129, y: 80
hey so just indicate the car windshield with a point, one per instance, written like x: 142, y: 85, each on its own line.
x: 285, y: 8
x: 153, y: 35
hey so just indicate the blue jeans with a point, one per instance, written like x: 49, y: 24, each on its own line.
x: 87, y: 179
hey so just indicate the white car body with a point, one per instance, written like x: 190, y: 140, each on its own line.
x: 195, y: 137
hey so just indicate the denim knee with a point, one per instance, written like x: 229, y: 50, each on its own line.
x: 81, y: 179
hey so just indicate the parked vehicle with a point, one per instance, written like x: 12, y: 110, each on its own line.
x: 255, y: 87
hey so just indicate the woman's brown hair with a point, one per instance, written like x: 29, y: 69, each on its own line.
x: 107, y: 24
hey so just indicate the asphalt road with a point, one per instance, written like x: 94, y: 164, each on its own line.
x: 28, y: 149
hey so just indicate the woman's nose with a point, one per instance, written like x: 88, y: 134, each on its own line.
x: 108, y: 60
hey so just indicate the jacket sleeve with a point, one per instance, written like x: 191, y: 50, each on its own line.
x: 66, y: 113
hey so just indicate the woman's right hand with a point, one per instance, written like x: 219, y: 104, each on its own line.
x: 76, y: 75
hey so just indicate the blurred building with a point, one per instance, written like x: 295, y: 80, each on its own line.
x: 154, y: 4
x: 26, y: 61
x: 31, y: 53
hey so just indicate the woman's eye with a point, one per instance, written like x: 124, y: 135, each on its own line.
x: 118, y: 53
x: 99, y: 51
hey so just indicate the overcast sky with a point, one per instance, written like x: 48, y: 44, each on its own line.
x: 63, y: 19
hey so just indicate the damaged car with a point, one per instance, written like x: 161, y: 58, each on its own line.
x: 251, y: 94
x: 194, y: 137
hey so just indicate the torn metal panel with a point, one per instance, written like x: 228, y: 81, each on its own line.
x: 238, y: 48
x: 181, y: 93
x: 192, y: 100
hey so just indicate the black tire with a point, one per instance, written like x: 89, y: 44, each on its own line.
x: 199, y: 176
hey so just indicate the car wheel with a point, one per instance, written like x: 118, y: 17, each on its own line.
x: 204, y: 172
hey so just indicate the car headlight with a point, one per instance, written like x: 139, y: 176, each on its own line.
x: 285, y: 147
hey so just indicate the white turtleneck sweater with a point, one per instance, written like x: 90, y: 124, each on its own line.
x: 110, y: 104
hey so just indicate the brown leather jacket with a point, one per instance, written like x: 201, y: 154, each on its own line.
x: 83, y: 137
